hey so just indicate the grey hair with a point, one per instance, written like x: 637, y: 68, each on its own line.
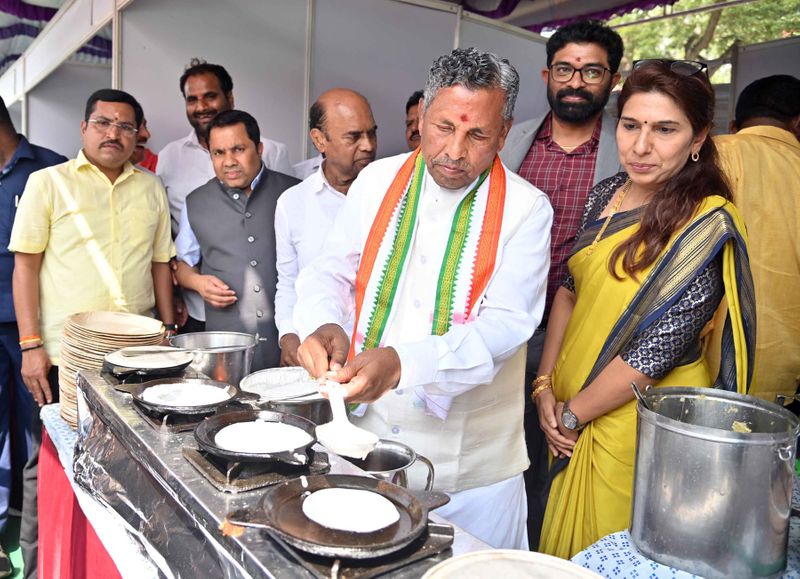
x: 473, y: 69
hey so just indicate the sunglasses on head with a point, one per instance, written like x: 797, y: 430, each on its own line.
x: 681, y: 67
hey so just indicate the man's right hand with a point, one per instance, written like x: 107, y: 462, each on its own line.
x: 181, y: 311
x: 215, y: 291
x: 326, y: 349
x: 35, y: 367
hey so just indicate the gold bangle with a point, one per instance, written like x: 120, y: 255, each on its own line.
x: 539, y: 389
x: 543, y: 379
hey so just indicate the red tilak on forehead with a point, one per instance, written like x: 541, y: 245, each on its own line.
x: 578, y: 59
x: 464, y: 118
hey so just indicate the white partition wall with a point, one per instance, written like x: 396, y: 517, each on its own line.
x: 382, y: 49
x: 57, y: 104
x: 262, y: 44
x: 15, y: 113
x: 526, y: 51
x: 281, y: 54
x: 766, y: 59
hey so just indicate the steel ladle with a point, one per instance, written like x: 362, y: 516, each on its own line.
x: 340, y: 435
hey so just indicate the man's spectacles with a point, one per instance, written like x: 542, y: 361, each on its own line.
x: 563, y: 72
x: 104, y: 125
x: 681, y: 67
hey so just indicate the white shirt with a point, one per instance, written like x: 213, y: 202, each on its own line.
x: 470, y: 354
x: 304, y: 216
x: 187, y: 247
x: 184, y: 165
x: 304, y: 169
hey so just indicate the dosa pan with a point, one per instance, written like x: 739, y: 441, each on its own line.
x: 280, y: 511
x: 137, y: 391
x: 207, y: 430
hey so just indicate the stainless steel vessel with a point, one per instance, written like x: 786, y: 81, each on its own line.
x: 229, y: 360
x: 713, y: 482
x: 278, y: 387
x: 390, y: 460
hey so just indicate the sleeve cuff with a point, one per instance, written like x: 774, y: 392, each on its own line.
x: 17, y: 246
x: 418, y: 363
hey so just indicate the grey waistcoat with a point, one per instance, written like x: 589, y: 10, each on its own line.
x: 237, y: 242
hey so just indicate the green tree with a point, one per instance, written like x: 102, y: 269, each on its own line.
x: 708, y: 36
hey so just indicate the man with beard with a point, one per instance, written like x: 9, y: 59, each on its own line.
x: 344, y: 132
x: 412, y: 120
x: 565, y: 153
x: 226, y: 243
x: 443, y: 253
x: 185, y: 164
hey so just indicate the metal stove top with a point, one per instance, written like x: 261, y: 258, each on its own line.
x: 168, y: 423
x: 434, y: 544
x: 236, y: 477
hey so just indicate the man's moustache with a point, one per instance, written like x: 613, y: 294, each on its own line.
x: 449, y: 163
x: 111, y: 142
x: 568, y: 92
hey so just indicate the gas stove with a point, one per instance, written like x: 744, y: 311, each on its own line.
x: 434, y: 544
x: 236, y: 477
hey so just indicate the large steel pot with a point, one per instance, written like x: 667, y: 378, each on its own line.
x: 223, y: 356
x: 277, y: 387
x: 713, y: 482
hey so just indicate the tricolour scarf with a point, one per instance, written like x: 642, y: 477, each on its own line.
x: 467, y: 266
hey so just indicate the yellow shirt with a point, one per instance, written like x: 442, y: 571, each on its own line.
x: 763, y: 166
x: 99, y: 241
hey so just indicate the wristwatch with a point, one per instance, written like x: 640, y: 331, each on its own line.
x: 569, y: 419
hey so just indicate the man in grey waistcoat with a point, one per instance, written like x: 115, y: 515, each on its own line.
x: 565, y: 152
x: 226, y: 240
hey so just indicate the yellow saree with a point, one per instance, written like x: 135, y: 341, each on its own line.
x: 591, y: 496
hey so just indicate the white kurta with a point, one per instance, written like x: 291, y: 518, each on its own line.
x: 304, y: 216
x: 480, y: 446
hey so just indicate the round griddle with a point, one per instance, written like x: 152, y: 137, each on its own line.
x: 207, y: 430
x: 280, y: 511
x: 138, y: 390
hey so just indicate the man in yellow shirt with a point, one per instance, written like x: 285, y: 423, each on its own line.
x: 90, y: 234
x: 762, y: 163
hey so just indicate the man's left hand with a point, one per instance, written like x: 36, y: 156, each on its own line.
x: 289, y: 344
x: 370, y: 374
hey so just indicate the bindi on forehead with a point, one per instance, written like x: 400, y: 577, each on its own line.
x: 464, y: 118
x: 577, y: 59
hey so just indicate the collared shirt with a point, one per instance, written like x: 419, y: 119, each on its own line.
x: 304, y: 169
x: 99, y: 241
x: 567, y: 178
x: 470, y: 354
x: 762, y: 164
x: 303, y: 218
x: 187, y: 248
x: 26, y: 159
x: 184, y: 165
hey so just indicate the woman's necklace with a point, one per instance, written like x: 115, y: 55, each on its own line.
x: 614, y: 209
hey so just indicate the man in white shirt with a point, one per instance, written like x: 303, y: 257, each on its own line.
x: 344, y: 132
x: 449, y: 269
x: 185, y: 164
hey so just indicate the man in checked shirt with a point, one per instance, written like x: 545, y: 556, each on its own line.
x: 564, y: 153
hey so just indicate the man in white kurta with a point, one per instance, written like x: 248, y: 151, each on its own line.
x: 457, y: 397
x: 342, y: 128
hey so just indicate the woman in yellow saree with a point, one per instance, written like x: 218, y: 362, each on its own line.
x: 659, y: 246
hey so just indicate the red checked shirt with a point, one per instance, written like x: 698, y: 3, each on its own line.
x: 567, y: 179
